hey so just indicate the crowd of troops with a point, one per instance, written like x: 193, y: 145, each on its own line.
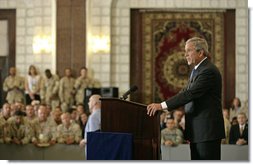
x: 39, y: 125
x: 44, y: 109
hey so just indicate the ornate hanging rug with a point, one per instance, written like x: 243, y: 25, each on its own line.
x: 164, y: 37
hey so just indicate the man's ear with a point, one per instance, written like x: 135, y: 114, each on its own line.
x: 201, y: 53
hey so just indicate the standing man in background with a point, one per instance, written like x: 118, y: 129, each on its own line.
x: 14, y: 86
x: 81, y: 83
x: 66, y: 90
x: 204, y: 125
x: 50, y: 89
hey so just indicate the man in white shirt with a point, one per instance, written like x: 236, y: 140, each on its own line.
x: 94, y: 120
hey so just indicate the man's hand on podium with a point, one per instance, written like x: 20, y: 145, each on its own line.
x: 82, y: 143
x: 152, y: 108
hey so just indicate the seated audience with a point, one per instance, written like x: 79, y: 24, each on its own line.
x: 178, y: 114
x: 5, y: 114
x: 234, y: 121
x: 36, y: 105
x: 79, y: 111
x: 171, y: 136
x: 68, y: 132
x: 44, y: 130
x: 30, y: 115
x: 55, y: 117
x: 236, y: 108
x: 18, y: 132
x: 74, y: 115
x: 239, y: 132
x: 2, y: 132
x: 83, y: 121
x: 17, y: 106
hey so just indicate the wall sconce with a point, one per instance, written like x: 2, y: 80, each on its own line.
x: 99, y: 44
x: 42, y: 44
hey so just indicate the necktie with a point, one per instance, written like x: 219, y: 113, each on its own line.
x: 193, y: 73
x: 241, y: 130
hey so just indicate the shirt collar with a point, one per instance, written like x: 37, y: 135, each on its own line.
x: 242, y: 126
x: 196, y: 66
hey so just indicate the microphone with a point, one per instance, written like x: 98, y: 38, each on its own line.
x: 132, y: 89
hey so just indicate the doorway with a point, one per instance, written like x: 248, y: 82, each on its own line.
x: 8, y: 46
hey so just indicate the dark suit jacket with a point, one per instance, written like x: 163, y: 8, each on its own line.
x: 234, y: 134
x: 202, y: 100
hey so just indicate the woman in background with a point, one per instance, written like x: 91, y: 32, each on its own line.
x: 32, y: 85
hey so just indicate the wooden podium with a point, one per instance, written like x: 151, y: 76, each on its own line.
x: 130, y: 117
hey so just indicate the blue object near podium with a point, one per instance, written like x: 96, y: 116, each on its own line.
x: 109, y: 146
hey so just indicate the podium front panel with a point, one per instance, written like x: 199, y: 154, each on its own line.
x: 129, y: 117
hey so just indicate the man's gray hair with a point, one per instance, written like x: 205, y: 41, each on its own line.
x: 200, y: 44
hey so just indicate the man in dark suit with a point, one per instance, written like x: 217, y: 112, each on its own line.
x: 204, y: 125
x: 239, y: 132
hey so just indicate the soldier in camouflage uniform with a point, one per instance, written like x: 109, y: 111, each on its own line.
x: 5, y: 113
x: 66, y: 91
x: 4, y: 116
x: 68, y: 132
x: 30, y: 114
x: 50, y: 89
x: 2, y: 132
x: 18, y: 132
x: 14, y: 86
x: 55, y: 117
x: 81, y: 83
x: 30, y: 119
x: 44, y: 130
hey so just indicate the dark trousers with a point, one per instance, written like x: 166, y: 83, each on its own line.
x: 209, y: 150
x: 28, y: 99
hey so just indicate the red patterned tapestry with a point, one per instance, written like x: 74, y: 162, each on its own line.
x: 164, y: 37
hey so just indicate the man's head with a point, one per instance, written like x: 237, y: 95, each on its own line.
x: 29, y: 111
x: 94, y: 102
x: 83, y: 72
x: 56, y: 114
x: 73, y: 114
x: 48, y: 73
x: 84, y: 118
x: 241, y: 118
x: 19, y: 117
x: 170, y: 123
x: 65, y: 119
x: 68, y: 72
x: 12, y: 71
x: 196, y: 49
x: 80, y: 109
x: 6, y: 110
x: 19, y: 105
x: 42, y: 113
x: 178, y: 114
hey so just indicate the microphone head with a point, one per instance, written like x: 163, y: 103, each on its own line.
x: 133, y: 88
